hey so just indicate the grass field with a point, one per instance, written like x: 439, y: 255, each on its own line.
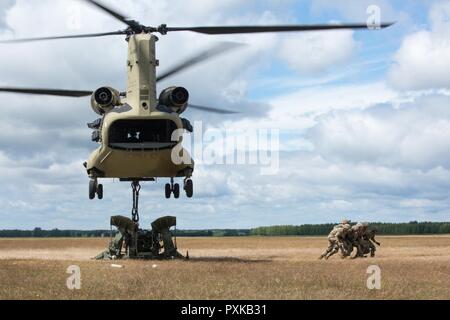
x: 227, y: 268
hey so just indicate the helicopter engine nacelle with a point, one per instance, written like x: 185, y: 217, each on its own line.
x: 175, y: 98
x: 104, y: 100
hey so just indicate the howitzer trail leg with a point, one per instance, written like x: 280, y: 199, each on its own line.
x: 116, y: 245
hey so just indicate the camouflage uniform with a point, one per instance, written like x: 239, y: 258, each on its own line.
x: 343, y: 223
x: 349, y: 243
x: 369, y: 237
x: 354, y: 239
x: 361, y: 242
x: 336, y: 241
x: 347, y: 247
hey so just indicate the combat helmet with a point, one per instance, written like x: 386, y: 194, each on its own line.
x: 347, y: 227
x: 357, y: 226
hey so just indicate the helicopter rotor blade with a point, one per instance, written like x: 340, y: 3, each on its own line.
x: 48, y: 92
x: 134, y: 25
x: 90, y: 35
x: 210, y: 109
x: 260, y: 29
x: 202, y: 57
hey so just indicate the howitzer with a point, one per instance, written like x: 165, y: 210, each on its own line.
x: 142, y: 244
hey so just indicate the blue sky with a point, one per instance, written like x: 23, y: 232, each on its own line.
x: 363, y: 116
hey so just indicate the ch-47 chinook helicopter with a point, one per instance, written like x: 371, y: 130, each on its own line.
x: 136, y: 126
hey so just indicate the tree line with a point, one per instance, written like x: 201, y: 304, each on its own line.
x: 410, y: 228
x: 55, y: 233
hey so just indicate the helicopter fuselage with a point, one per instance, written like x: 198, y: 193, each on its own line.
x: 135, y: 148
x: 137, y: 140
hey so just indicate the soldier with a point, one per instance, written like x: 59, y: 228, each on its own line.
x: 336, y: 240
x: 347, y: 246
x: 343, y: 223
x: 349, y: 242
x: 369, y: 237
x: 356, y: 239
x: 365, y: 240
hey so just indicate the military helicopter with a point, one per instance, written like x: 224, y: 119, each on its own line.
x: 136, y: 126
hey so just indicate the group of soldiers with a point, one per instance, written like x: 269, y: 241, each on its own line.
x: 344, y: 237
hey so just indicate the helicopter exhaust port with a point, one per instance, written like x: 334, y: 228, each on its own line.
x: 175, y: 98
x: 104, y: 100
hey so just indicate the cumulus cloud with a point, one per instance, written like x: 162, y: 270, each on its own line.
x: 315, y: 52
x: 298, y: 110
x: 422, y: 61
x: 354, y: 9
x: 409, y: 136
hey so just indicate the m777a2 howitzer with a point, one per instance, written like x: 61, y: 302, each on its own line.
x: 133, y: 243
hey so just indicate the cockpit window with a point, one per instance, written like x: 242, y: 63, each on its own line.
x: 142, y: 134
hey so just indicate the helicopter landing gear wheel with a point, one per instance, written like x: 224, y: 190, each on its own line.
x: 100, y: 191
x: 92, y: 188
x: 95, y: 189
x: 168, y: 191
x: 172, y: 188
x: 189, y: 188
x: 176, y: 191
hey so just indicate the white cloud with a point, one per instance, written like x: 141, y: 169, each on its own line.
x: 4, y: 6
x: 314, y: 52
x: 355, y: 10
x: 410, y: 136
x: 422, y: 62
x: 298, y: 110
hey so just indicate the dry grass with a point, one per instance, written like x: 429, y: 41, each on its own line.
x: 227, y: 268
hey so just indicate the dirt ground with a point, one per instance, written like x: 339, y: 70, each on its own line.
x: 227, y: 268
